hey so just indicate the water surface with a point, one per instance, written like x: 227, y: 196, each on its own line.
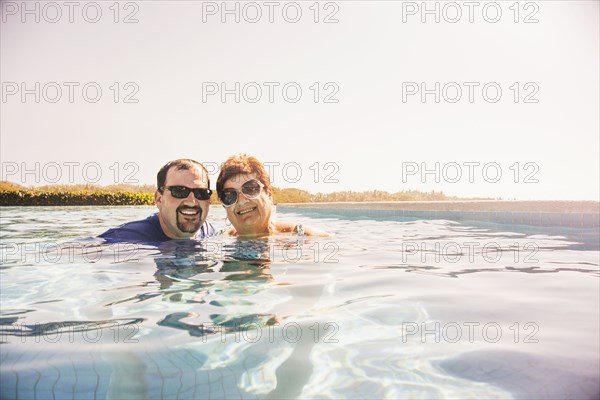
x: 381, y: 309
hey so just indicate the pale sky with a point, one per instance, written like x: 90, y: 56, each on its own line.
x: 541, y: 133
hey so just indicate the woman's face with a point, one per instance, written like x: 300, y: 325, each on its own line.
x: 249, y: 216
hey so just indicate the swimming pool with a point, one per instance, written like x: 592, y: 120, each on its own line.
x: 391, y: 306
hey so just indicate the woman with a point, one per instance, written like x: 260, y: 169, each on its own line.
x: 244, y: 189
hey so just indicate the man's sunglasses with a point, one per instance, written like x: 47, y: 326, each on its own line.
x: 250, y: 189
x: 182, y: 192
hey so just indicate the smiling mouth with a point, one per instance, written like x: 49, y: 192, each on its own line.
x: 189, y: 212
x: 246, y: 211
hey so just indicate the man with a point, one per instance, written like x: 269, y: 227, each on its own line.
x: 182, y: 198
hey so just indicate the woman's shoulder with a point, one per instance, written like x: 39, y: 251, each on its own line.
x: 288, y: 227
x: 285, y: 227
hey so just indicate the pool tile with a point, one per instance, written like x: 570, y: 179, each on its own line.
x: 570, y: 220
x: 589, y: 220
x: 536, y: 219
x: 554, y: 219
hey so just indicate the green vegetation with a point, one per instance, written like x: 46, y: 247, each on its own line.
x: 12, y: 194
x: 291, y: 196
x: 378, y: 195
x: 301, y: 196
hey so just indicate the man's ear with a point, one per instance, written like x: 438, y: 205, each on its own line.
x: 158, y: 199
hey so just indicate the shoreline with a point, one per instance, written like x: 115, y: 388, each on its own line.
x: 548, y: 206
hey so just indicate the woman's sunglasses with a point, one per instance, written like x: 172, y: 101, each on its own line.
x: 182, y: 192
x: 250, y: 189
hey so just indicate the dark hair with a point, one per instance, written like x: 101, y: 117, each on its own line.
x: 180, y: 164
x: 245, y: 165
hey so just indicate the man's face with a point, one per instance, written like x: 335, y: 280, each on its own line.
x: 182, y: 218
x: 248, y: 216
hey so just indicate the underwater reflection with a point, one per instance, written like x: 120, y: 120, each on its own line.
x: 225, y: 275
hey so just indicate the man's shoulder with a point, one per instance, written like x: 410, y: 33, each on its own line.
x: 151, y: 222
x: 148, y: 230
x: 145, y: 230
x: 286, y: 227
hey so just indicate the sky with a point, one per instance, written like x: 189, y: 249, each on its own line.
x: 481, y: 99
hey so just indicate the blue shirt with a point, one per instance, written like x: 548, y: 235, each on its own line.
x: 148, y: 230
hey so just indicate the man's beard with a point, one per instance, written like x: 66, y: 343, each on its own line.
x: 189, y: 226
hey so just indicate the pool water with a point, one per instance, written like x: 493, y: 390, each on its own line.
x: 381, y: 309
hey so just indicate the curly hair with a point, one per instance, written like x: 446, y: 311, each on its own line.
x: 243, y: 164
